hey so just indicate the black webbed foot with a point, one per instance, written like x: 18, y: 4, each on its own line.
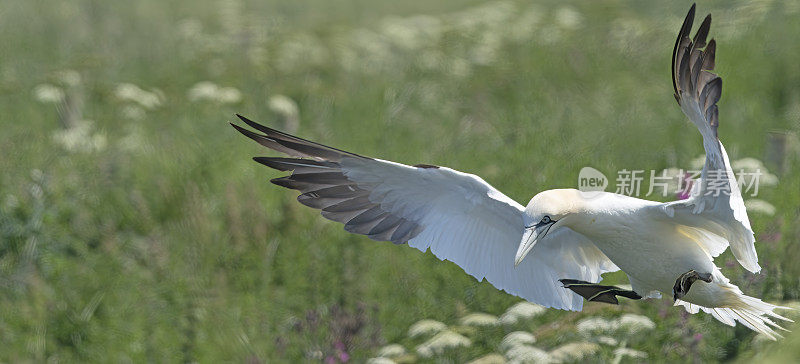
x: 594, y: 292
x: 685, y: 281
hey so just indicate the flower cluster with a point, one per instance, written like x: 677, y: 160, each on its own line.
x: 593, y: 337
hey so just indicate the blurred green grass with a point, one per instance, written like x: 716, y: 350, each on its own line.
x: 150, y: 235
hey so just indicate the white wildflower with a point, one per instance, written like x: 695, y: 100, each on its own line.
x: 522, y: 310
x: 159, y: 94
x: 754, y: 167
x: 768, y: 179
x: 479, y: 319
x: 486, y: 17
x: 412, y: 33
x: 47, y: 93
x: 315, y: 354
x: 36, y: 191
x: 516, y: 338
x: 80, y: 138
x: 747, y: 163
x: 636, y: 324
x: 37, y: 175
x: 426, y: 327
x: 209, y: 91
x: 759, y: 206
x: 636, y: 354
x: 607, y: 340
x: 380, y: 360
x: 203, y: 91
x: 441, y: 342
x: 527, y: 354
x: 596, y: 325
x: 493, y: 358
x: 574, y: 351
x: 228, y: 95
x: 132, y: 93
x: 391, y: 351
x: 746, y: 170
x: 487, y: 49
x: 526, y: 24
x: 11, y: 202
x: 568, y: 18
x: 70, y: 78
x: 283, y: 105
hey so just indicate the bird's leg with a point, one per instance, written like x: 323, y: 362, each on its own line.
x: 594, y: 292
x: 684, y: 282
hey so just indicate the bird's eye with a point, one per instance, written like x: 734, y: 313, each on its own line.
x: 546, y: 220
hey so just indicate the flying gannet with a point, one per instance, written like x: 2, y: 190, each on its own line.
x: 565, y: 239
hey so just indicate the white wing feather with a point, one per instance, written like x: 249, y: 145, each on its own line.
x: 716, y: 204
x: 458, y: 216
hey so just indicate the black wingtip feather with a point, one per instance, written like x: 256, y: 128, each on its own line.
x: 318, y: 176
x: 684, y: 32
x: 287, y: 182
x: 702, y: 33
x: 689, y: 20
x: 297, y: 164
x: 272, y: 163
x: 257, y: 126
x: 692, y: 61
x: 294, y: 145
x: 247, y: 133
x: 710, y: 55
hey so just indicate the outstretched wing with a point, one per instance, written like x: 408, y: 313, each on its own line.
x: 716, y: 204
x: 458, y: 216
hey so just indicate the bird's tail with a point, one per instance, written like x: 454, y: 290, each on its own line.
x: 751, y: 312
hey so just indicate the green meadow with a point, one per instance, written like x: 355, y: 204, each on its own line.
x: 134, y: 226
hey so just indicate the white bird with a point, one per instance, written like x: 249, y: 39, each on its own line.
x: 565, y: 239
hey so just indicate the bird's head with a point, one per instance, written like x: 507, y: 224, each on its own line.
x: 547, y: 212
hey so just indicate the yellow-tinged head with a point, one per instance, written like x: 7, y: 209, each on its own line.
x: 547, y: 212
x: 555, y: 203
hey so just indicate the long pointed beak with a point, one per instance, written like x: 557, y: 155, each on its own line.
x: 529, y: 239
